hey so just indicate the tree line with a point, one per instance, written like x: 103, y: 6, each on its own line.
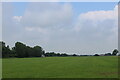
x: 21, y: 50
x: 114, y: 52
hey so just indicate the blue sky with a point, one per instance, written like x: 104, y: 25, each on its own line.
x: 79, y: 7
x: 74, y: 27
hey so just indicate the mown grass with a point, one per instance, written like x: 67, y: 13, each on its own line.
x: 61, y: 67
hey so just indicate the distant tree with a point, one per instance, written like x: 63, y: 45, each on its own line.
x: 74, y: 55
x: 58, y: 54
x: 96, y: 55
x: 46, y: 54
x: 64, y: 54
x: 83, y: 55
x: 50, y: 54
x: 108, y: 54
x: 115, y: 51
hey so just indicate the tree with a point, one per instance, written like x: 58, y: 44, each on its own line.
x: 13, y: 52
x: 115, y: 51
x: 58, y: 54
x: 74, y: 55
x: 38, y: 51
x: 96, y: 55
x: 20, y: 49
x: 5, y: 50
x: 108, y: 54
x: 29, y: 51
x: 49, y: 54
x: 64, y: 54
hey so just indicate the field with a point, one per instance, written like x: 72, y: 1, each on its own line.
x: 61, y: 67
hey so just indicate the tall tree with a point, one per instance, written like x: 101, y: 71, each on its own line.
x: 29, y: 51
x: 38, y: 51
x: 20, y: 49
x: 5, y: 50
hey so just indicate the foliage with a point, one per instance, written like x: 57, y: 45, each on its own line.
x: 5, y: 50
x: 96, y: 55
x: 115, y: 51
x: 108, y: 54
x: 21, y: 50
x: 50, y: 54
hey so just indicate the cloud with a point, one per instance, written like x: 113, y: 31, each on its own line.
x: 17, y: 18
x: 39, y: 19
x: 47, y: 15
x: 0, y: 21
x: 99, y: 27
x: 38, y: 29
x: 98, y: 23
x: 97, y: 19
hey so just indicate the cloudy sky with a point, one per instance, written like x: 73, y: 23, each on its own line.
x: 71, y: 27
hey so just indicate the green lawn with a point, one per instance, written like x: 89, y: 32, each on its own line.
x: 61, y: 67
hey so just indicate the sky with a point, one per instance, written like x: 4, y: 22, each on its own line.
x: 66, y: 27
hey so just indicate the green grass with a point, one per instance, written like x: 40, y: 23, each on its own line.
x: 61, y: 67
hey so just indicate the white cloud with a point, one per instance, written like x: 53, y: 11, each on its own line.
x: 99, y: 27
x: 97, y: 19
x: 0, y: 21
x: 17, y: 18
x: 41, y: 30
x: 47, y: 15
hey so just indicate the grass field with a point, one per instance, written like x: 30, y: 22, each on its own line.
x: 61, y: 67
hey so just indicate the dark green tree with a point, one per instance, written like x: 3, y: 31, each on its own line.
x: 64, y: 54
x: 13, y: 52
x: 20, y: 49
x: 29, y: 52
x: 6, y: 52
x: 58, y: 54
x: 74, y: 55
x: 115, y: 51
x: 108, y: 54
x: 96, y: 55
x: 37, y: 51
